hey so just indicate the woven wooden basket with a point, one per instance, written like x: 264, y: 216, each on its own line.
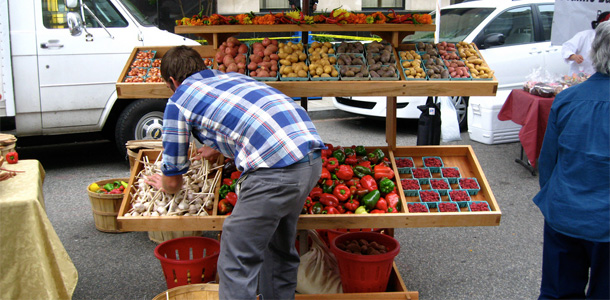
x: 106, y: 207
x: 199, y: 291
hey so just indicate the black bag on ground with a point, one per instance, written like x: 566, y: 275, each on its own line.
x: 429, y: 125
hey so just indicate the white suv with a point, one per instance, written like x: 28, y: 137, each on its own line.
x: 514, y: 38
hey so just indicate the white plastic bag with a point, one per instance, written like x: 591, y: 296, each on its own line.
x: 318, y: 272
x: 450, y: 127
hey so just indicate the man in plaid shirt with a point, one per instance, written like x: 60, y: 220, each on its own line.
x: 275, y: 145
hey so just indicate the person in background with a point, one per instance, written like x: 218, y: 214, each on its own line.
x: 574, y: 170
x: 296, y: 5
x: 576, y: 50
x: 272, y: 141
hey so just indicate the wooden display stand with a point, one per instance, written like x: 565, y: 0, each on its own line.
x: 462, y: 157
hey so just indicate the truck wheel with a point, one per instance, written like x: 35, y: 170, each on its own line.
x: 141, y: 120
x: 461, y: 107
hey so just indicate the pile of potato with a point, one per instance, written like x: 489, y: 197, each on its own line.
x: 359, y: 71
x: 350, y: 47
x: 264, y: 58
x: 231, y: 56
x: 435, y: 69
x: 409, y: 55
x: 413, y: 69
x: 293, y: 60
x: 447, y: 50
x: 477, y: 66
x: 350, y: 59
x: 457, y: 68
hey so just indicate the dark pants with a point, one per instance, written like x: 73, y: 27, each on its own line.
x: 257, y: 247
x: 565, y: 267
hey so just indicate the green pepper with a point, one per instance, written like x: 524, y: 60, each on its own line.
x: 349, y: 151
x: 124, y: 184
x: 379, y: 154
x: 109, y: 186
x: 370, y: 200
x: 328, y: 186
x: 339, y: 155
x: 361, y: 171
x: 386, y: 185
x: 232, y: 186
x: 224, y: 190
x: 360, y: 150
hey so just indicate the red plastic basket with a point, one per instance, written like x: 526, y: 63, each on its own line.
x: 188, y: 260
x: 365, y: 273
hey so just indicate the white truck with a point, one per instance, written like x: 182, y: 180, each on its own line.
x: 60, y: 62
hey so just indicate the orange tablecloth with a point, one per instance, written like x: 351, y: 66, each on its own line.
x: 33, y: 262
x: 532, y: 112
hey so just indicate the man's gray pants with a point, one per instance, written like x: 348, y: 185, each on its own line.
x: 257, y: 248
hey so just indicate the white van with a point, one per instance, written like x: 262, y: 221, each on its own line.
x: 514, y: 38
x: 60, y: 63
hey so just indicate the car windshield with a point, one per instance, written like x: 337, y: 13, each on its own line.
x: 136, y: 13
x: 456, y: 24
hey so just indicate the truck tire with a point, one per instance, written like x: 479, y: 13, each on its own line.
x: 140, y: 120
x: 461, y: 107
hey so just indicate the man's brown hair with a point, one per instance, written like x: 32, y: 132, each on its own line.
x: 181, y: 62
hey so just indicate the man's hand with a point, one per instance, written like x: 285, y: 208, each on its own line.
x: 577, y: 58
x: 168, y: 184
x: 155, y: 181
x: 206, y: 152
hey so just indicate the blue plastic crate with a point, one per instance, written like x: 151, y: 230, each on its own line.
x: 433, y: 169
x: 405, y: 170
x: 411, y: 193
x: 409, y: 204
x: 452, y: 180
x: 470, y: 191
x: 443, y: 192
x: 460, y: 203
x: 422, y: 180
x: 441, y: 204
x: 432, y: 204
x: 476, y: 202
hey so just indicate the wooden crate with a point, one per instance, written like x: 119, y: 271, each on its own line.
x: 396, y: 290
x: 460, y: 156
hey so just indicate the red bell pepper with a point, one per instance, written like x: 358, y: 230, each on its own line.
x: 331, y: 210
x: 232, y: 198
x: 115, y: 191
x: 308, y: 202
x: 391, y: 210
x: 315, y: 193
x: 329, y: 200
x: 332, y: 164
x: 361, y: 192
x: 342, y: 192
x: 365, y: 163
x: 352, y: 182
x: 325, y: 174
x: 12, y: 157
x: 393, y: 201
x: 351, y: 160
x: 235, y: 175
x: 381, y: 204
x: 382, y: 170
x: 352, y: 204
x: 315, y: 208
x: 345, y: 172
x: 368, y: 182
x: 224, y: 207
x: 341, y: 209
x: 329, y: 151
x: 377, y: 211
x: 227, y: 181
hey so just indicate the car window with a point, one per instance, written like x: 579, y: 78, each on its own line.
x: 546, y: 17
x: 54, y: 14
x: 456, y: 24
x: 515, y: 24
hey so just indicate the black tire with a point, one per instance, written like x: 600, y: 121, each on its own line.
x: 140, y: 120
x: 461, y: 106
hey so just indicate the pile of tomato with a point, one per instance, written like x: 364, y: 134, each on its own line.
x: 353, y: 181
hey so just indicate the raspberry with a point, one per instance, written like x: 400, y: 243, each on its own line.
x: 468, y: 183
x: 432, y: 162
x: 429, y: 196
x: 450, y: 172
x: 404, y: 163
x: 448, y: 207
x: 417, y: 207
x: 439, y: 184
x: 421, y: 173
x: 409, y: 184
x: 459, y: 195
x: 479, y: 206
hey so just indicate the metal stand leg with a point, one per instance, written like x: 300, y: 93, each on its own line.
x: 525, y: 163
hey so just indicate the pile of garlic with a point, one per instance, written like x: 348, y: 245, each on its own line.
x: 195, y: 198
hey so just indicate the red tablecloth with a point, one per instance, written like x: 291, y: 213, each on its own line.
x: 532, y: 112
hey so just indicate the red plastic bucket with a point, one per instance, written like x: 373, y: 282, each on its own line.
x: 188, y: 260
x: 331, y: 234
x: 365, y: 273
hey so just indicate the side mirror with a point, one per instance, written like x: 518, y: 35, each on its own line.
x: 71, y: 3
x: 493, y: 39
x: 75, y: 23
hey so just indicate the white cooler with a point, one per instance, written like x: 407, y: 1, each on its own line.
x: 483, y: 123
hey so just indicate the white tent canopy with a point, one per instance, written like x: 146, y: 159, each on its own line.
x: 573, y: 16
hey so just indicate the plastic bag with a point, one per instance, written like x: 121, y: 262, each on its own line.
x: 318, y: 272
x: 450, y: 127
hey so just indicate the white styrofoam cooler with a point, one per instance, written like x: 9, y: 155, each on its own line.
x: 483, y: 123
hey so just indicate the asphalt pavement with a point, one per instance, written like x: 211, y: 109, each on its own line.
x: 495, y: 262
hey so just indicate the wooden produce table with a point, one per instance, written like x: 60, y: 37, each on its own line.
x: 532, y: 112
x: 33, y: 260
